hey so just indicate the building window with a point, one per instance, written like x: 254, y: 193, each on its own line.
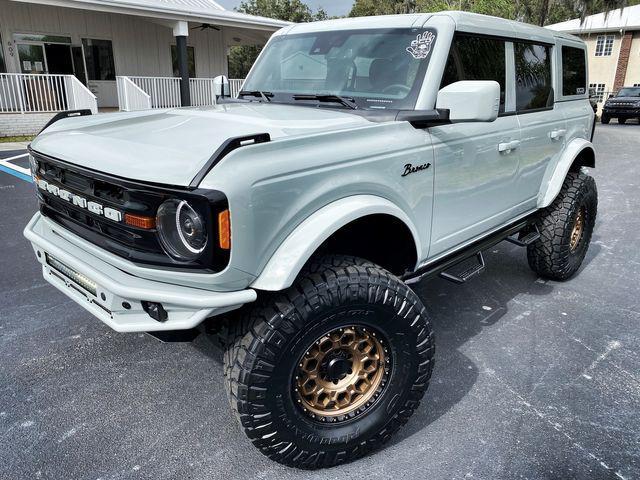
x: 191, y: 61
x: 476, y: 58
x: 98, y: 55
x: 604, y: 45
x: 597, y: 91
x: 533, y: 76
x: 574, y: 71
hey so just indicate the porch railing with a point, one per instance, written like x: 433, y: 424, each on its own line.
x: 164, y: 92
x: 43, y: 93
x: 130, y: 96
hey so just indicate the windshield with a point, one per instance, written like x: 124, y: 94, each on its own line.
x: 629, y: 92
x: 378, y: 69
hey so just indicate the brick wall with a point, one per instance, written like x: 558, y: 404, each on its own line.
x: 17, y: 124
x: 623, y: 61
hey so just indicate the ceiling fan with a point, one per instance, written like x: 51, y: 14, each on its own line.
x: 205, y: 26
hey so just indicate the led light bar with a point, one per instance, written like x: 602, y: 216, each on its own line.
x: 72, y: 275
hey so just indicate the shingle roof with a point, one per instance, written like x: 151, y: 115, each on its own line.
x: 627, y: 18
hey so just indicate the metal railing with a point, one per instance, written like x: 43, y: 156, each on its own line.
x: 164, y: 92
x: 235, y: 85
x: 130, y: 96
x: 43, y: 93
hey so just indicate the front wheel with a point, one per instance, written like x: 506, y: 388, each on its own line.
x: 604, y: 119
x: 565, y: 229
x: 328, y: 370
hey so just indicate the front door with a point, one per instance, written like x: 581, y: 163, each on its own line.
x: 59, y: 58
x: 476, y: 164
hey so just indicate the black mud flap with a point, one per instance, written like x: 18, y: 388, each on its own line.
x: 173, y: 336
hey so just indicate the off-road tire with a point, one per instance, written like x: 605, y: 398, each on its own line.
x: 551, y: 256
x: 268, y: 342
x: 604, y: 119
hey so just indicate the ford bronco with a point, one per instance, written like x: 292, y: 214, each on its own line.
x: 362, y: 155
x: 624, y: 105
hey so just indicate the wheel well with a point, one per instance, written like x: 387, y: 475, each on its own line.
x: 586, y: 158
x: 380, y: 238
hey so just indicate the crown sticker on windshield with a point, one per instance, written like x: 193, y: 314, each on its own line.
x: 421, y: 46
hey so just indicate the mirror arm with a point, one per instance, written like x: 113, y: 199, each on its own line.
x: 424, y: 118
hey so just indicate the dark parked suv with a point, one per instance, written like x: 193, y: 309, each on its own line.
x: 624, y: 105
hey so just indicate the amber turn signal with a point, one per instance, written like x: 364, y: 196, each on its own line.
x: 139, y: 221
x: 224, y: 230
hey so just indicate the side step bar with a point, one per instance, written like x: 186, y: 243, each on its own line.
x: 461, y: 276
x: 525, y: 237
x: 441, y: 265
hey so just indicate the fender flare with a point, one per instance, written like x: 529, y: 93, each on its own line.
x: 284, y: 265
x: 556, y: 173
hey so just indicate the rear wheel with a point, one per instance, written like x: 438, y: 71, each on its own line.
x: 604, y: 119
x: 622, y: 121
x: 329, y: 369
x: 565, y: 229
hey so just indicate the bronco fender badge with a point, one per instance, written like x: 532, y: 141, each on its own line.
x: 409, y: 168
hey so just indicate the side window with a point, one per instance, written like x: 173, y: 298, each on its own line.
x: 574, y: 71
x: 533, y: 76
x: 476, y: 58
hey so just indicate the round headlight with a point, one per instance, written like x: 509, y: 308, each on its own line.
x: 182, y: 230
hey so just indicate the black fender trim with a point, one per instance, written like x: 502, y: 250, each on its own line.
x: 65, y: 114
x: 223, y: 150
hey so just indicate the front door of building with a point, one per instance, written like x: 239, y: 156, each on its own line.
x: 59, y: 58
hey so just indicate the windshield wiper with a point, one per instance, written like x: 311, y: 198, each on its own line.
x: 257, y: 93
x: 346, y: 101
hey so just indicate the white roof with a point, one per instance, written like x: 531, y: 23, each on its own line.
x: 627, y: 18
x: 202, y: 11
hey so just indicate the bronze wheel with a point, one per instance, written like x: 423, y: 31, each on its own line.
x: 578, y: 230
x: 342, y: 373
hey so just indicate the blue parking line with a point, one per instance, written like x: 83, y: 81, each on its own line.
x: 21, y: 176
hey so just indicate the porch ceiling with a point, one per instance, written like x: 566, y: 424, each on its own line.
x: 202, y: 11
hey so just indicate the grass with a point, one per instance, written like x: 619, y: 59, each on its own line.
x: 23, y: 138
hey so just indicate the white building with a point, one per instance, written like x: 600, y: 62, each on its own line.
x: 613, y: 45
x: 64, y: 54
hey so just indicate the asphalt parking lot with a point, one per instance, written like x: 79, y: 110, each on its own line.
x: 534, y: 379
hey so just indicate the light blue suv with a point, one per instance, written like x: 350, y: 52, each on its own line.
x: 361, y: 156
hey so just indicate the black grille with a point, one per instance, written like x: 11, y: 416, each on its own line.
x: 135, y: 244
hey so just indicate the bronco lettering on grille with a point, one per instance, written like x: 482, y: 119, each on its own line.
x: 94, y: 207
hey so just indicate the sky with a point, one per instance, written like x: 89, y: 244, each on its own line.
x: 332, y: 7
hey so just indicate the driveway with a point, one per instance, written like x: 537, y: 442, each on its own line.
x: 534, y: 379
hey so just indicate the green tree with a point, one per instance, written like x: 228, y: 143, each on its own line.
x: 241, y: 58
x: 538, y: 12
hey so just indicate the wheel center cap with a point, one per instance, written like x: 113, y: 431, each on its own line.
x: 338, y: 368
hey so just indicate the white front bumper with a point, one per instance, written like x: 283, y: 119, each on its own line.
x: 186, y: 306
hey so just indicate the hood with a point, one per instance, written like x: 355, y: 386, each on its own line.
x: 625, y: 100
x: 171, y: 146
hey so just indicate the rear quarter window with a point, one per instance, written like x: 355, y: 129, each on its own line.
x: 574, y: 71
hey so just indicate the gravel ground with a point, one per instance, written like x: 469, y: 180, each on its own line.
x: 533, y: 379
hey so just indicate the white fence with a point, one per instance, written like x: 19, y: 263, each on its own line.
x: 33, y: 93
x: 139, y: 93
x: 130, y: 96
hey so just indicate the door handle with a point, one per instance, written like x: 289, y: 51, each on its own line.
x: 557, y: 134
x: 508, y: 146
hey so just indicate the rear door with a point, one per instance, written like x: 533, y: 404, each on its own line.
x: 542, y: 123
x: 476, y: 164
